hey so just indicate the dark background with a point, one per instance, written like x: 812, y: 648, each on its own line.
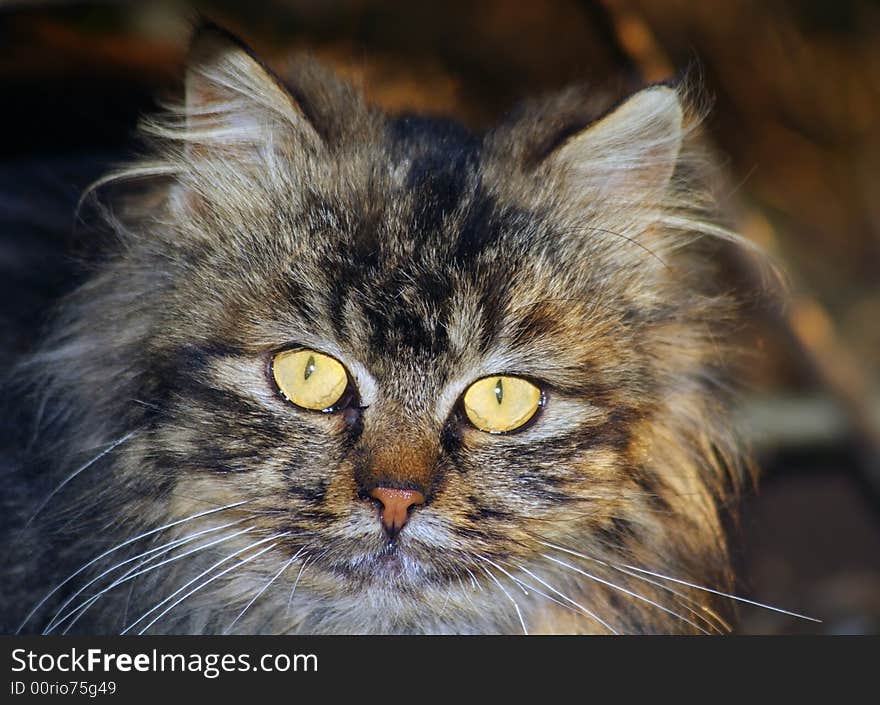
x: 795, y: 121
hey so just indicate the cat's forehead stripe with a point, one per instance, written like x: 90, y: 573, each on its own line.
x: 441, y: 160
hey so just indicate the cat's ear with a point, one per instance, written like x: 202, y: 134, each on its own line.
x: 234, y: 105
x: 627, y: 156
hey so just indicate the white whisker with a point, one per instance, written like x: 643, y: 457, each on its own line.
x: 526, y: 586
x: 519, y: 583
x: 474, y: 582
x: 682, y: 582
x: 565, y: 597
x: 158, y: 550
x: 725, y: 594
x: 125, y: 609
x: 89, y: 602
x: 203, y: 585
x: 624, y: 590
x: 199, y: 576
x: 509, y: 597
x: 682, y: 596
x: 296, y: 581
x: 77, y: 472
x: 139, y: 570
x: 83, y: 606
x: 125, y: 543
x: 265, y: 587
x: 685, y: 601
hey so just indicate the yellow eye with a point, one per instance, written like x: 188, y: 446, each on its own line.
x: 309, y: 379
x: 499, y: 404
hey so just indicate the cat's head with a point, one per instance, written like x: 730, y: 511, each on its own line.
x: 417, y: 365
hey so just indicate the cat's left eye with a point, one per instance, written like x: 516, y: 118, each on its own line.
x: 310, y: 379
x: 502, y: 404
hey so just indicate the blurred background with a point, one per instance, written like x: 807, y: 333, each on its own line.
x: 795, y: 121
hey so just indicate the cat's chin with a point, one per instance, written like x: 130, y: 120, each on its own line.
x: 393, y: 567
x: 389, y: 570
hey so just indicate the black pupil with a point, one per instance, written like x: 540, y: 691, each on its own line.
x: 310, y: 367
x: 499, y: 391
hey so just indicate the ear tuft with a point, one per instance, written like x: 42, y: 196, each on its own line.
x: 628, y: 155
x: 233, y: 102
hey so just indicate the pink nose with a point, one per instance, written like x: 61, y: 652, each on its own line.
x: 395, y: 507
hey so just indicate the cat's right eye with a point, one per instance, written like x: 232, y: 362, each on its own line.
x: 310, y: 379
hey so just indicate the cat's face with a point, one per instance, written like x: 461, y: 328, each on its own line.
x: 413, y: 261
x: 417, y: 304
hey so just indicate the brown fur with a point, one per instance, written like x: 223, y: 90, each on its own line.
x: 559, y: 247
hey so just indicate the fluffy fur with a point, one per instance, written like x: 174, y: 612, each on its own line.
x: 182, y: 493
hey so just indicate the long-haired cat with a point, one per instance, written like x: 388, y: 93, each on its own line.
x: 347, y: 372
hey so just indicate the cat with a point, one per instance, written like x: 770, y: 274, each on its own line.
x: 345, y: 372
